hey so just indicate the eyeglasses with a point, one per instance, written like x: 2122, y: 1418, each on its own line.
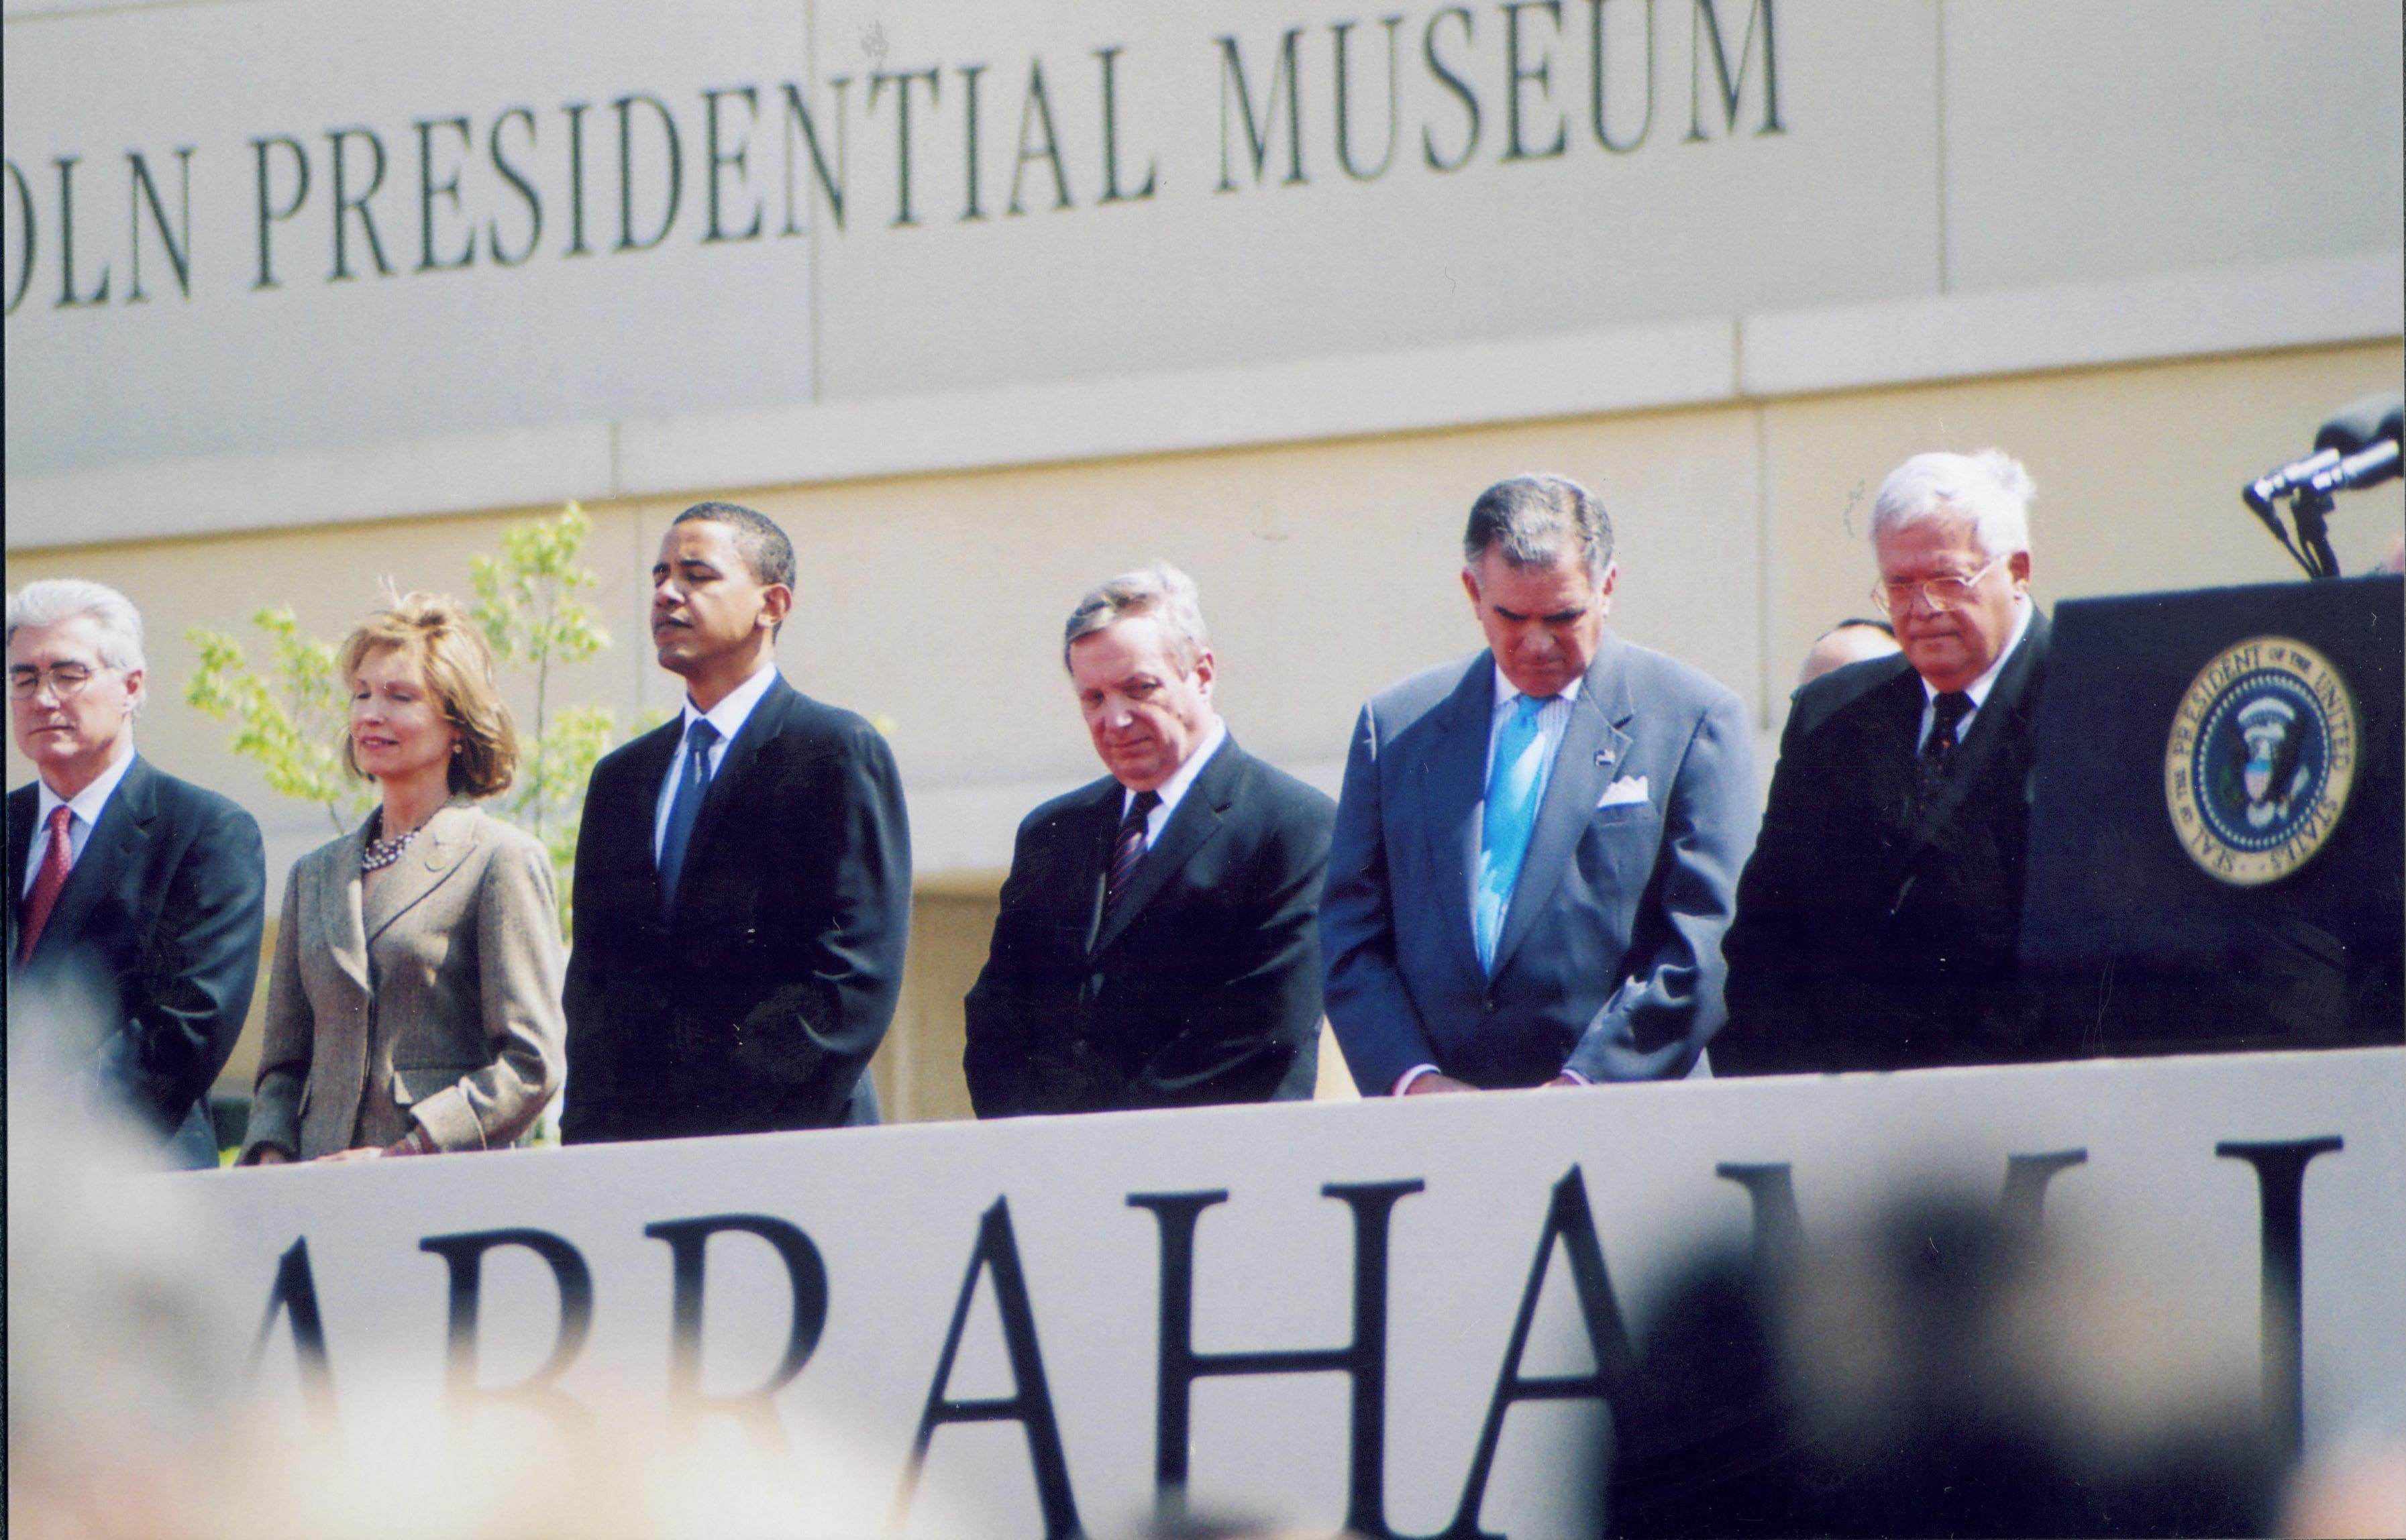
x: 1939, y: 593
x: 66, y: 680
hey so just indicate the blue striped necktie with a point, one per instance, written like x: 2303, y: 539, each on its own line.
x: 691, y: 788
x: 1515, y: 784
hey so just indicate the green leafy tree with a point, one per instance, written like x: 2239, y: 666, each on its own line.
x: 529, y: 602
x: 288, y: 718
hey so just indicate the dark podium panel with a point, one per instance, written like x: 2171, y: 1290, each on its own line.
x: 2136, y: 945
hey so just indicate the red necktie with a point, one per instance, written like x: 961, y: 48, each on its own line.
x: 55, y: 862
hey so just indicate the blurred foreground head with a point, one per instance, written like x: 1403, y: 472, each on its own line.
x: 1940, y: 1373
x: 119, y: 1373
x: 134, y: 1411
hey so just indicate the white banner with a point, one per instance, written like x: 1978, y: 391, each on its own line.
x: 1110, y: 1260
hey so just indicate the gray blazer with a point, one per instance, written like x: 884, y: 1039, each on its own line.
x: 1610, y: 963
x: 438, y: 1003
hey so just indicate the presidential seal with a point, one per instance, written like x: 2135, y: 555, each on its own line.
x: 2261, y: 756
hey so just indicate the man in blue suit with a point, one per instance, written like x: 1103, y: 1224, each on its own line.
x: 1537, y: 849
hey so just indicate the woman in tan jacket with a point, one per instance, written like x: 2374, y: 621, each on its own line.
x: 415, y: 1001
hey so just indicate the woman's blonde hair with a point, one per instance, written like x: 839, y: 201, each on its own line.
x: 437, y: 635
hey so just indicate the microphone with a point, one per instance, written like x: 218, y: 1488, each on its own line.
x: 2272, y: 486
x: 2356, y: 427
x: 2365, y: 468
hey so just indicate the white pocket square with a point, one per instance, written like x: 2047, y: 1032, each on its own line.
x: 1629, y: 789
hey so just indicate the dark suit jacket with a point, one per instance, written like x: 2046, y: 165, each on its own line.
x: 1869, y: 938
x: 758, y: 1003
x: 1609, y: 961
x: 162, y: 919
x: 1204, y: 984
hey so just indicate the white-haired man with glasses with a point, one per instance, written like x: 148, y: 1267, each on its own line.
x: 1877, y: 919
x: 126, y: 887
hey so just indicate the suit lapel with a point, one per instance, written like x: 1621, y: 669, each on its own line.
x: 1593, y: 746
x: 115, y: 845
x: 329, y: 918
x: 1453, y: 789
x: 335, y: 912
x: 1195, y: 823
x: 21, y: 805
x: 650, y: 760
x: 447, y: 837
x: 1887, y: 767
x: 1090, y: 830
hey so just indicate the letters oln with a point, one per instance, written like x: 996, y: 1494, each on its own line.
x: 469, y: 185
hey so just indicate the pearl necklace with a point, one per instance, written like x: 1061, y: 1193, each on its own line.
x: 380, y: 854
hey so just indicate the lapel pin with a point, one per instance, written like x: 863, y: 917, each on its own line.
x: 1604, y: 758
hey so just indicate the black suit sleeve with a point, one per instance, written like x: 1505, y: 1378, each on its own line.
x: 802, y: 1048
x: 1771, y: 1015
x: 1249, y: 1028
x: 184, y: 1003
x: 999, y: 1053
x: 591, y: 1110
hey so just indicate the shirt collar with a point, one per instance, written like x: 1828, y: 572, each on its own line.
x: 1507, y: 692
x: 730, y: 714
x: 1172, y: 790
x: 86, y: 804
x: 1978, y: 689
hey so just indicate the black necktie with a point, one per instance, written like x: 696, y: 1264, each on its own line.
x: 1129, y: 850
x: 1938, y: 750
x: 692, y: 787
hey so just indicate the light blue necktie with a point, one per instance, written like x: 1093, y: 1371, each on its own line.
x: 1515, y: 784
x: 682, y: 812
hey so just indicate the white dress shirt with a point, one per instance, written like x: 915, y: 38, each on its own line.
x: 84, y: 808
x: 1554, y: 720
x: 728, y: 718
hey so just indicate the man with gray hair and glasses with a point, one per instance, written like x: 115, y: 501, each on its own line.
x: 1537, y: 846
x: 1877, y: 922
x: 1156, y: 945
x: 136, y: 893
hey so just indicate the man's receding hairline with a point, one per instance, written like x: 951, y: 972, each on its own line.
x: 746, y: 528
x: 1167, y: 633
x: 1567, y: 552
x: 95, y: 624
x: 732, y: 535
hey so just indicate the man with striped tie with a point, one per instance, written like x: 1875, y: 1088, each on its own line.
x: 1878, y: 920
x: 1156, y: 945
x: 1537, y: 848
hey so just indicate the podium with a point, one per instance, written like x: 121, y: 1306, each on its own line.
x: 2215, y: 858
